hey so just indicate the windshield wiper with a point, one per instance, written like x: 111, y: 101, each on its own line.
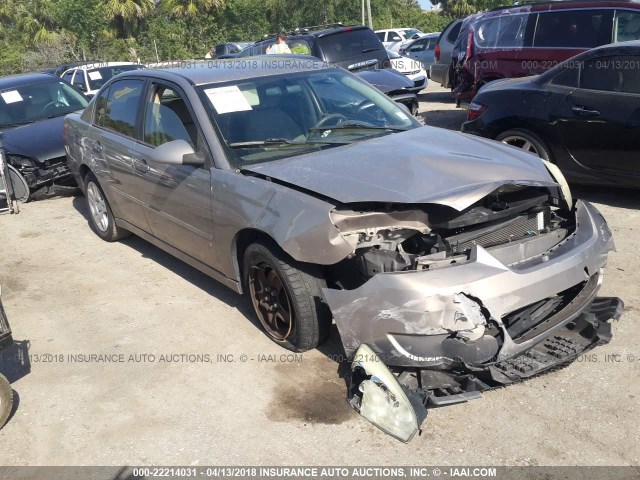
x: 60, y: 114
x: 279, y: 141
x: 367, y: 50
x: 357, y: 126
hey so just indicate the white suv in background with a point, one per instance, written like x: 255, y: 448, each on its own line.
x: 392, y: 38
x: 89, y: 78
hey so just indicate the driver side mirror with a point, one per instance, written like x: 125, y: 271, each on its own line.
x: 177, y: 152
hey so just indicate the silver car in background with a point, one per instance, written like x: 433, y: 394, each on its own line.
x: 440, y: 70
x: 450, y: 264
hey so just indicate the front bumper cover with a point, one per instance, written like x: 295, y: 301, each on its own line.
x: 406, y: 317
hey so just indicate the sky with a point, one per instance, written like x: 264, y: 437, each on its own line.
x: 425, y: 4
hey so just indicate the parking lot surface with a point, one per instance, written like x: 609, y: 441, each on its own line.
x: 136, y: 358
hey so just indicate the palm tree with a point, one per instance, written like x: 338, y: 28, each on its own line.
x: 188, y: 8
x: 37, y: 22
x: 126, y: 12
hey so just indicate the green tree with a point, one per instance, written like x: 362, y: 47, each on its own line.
x: 36, y: 20
x: 127, y: 13
x: 462, y: 8
x: 87, y: 20
x: 188, y: 8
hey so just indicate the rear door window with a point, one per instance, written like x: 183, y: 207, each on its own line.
x: 118, y: 110
x: 627, y: 26
x: 573, y: 28
x: 501, y: 31
x: 620, y: 73
x: 381, y: 35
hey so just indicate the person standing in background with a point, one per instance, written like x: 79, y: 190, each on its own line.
x: 280, y: 46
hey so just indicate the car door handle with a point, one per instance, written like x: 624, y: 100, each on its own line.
x: 97, y: 147
x: 140, y: 166
x: 585, y: 111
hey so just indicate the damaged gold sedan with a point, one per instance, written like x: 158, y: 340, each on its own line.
x: 450, y: 264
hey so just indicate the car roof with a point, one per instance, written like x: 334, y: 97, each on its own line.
x: 90, y: 66
x: 26, y: 79
x: 226, y: 70
x: 563, y: 5
x: 315, y: 32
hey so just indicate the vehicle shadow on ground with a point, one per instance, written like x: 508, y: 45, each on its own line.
x: 187, y: 272
x: 615, y: 197
x: 206, y: 283
x: 443, y: 117
x: 14, y: 365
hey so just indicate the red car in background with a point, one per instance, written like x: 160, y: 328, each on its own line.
x: 517, y: 41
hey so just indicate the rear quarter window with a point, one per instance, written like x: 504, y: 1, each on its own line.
x: 573, y: 28
x: 452, y: 36
x: 502, y: 31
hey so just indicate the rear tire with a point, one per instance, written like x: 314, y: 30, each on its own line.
x: 526, y: 140
x: 286, y: 297
x: 6, y: 400
x: 101, y: 217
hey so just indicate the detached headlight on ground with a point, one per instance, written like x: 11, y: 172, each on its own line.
x: 377, y: 396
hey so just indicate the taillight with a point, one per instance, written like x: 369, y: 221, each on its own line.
x: 470, y: 44
x: 475, y: 110
x: 437, y: 53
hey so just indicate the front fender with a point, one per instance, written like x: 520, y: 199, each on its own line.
x: 299, y: 223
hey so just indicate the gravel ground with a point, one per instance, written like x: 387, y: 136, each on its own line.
x: 69, y: 295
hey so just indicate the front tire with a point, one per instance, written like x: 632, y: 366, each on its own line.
x: 527, y: 141
x: 286, y: 297
x: 101, y: 217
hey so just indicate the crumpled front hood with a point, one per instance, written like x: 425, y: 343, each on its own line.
x: 41, y: 140
x: 424, y: 165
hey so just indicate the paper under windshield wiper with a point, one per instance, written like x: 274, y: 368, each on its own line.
x: 279, y: 141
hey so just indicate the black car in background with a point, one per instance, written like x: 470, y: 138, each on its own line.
x: 32, y: 111
x: 355, y: 48
x: 583, y: 115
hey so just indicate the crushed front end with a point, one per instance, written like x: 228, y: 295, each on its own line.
x: 455, y: 303
x: 43, y: 177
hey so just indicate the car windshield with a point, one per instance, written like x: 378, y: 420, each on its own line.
x: 31, y: 102
x: 410, y: 32
x: 269, y: 118
x: 99, y: 76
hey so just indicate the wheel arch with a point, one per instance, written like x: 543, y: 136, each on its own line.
x: 241, y: 241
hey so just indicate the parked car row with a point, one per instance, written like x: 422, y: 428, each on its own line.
x: 518, y: 41
x: 583, y: 115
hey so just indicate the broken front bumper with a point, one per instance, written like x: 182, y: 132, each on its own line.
x: 460, y: 315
